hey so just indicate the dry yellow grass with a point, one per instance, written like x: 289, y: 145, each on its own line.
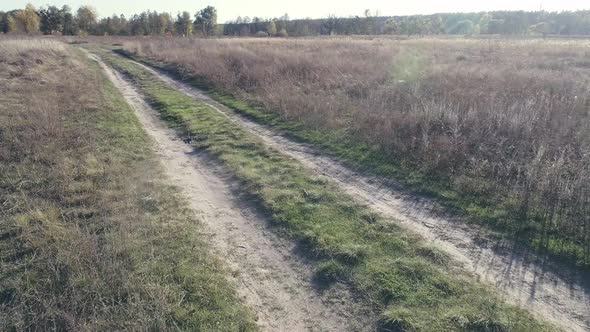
x: 499, y: 128
x: 91, y: 237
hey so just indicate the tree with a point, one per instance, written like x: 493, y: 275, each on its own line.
x: 464, y: 27
x: 257, y: 25
x: 495, y: 26
x: 70, y: 27
x: 329, y: 25
x: 28, y: 19
x: 282, y: 22
x: 413, y: 25
x: 392, y: 26
x: 206, y: 21
x: 369, y: 23
x: 245, y: 31
x: 282, y: 33
x: 144, y: 24
x: 517, y: 22
x: 300, y: 28
x: 114, y: 25
x: 272, y: 28
x: 11, y: 25
x: 136, y: 27
x: 436, y: 25
x: 167, y: 23
x: 184, y: 25
x: 484, y: 23
x: 542, y: 28
x: 86, y: 18
x: 4, y: 17
x: 52, y: 20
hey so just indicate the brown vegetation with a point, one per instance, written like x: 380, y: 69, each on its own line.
x: 504, y: 124
x: 91, y: 237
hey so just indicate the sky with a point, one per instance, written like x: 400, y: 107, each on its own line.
x: 230, y: 9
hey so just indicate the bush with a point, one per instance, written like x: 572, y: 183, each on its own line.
x: 282, y: 33
x: 261, y: 34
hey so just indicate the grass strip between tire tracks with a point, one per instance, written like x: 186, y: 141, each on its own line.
x: 415, y: 286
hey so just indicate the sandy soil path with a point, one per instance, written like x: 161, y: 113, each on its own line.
x: 271, y: 278
x: 556, y: 294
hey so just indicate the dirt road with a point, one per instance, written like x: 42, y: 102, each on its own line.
x: 561, y: 297
x: 271, y: 279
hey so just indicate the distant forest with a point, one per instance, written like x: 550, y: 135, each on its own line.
x: 85, y: 21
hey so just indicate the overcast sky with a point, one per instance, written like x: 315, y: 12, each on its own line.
x: 230, y: 9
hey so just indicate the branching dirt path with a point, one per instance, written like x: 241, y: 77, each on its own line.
x: 271, y: 279
x: 554, y: 294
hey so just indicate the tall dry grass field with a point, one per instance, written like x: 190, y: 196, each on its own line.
x: 501, y: 126
x: 91, y: 237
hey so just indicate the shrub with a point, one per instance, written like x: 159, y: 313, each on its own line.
x: 282, y: 33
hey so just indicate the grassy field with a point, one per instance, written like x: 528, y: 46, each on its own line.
x: 415, y: 286
x: 496, y: 129
x: 91, y: 236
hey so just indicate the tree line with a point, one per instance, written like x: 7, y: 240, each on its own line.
x: 487, y: 23
x: 54, y: 20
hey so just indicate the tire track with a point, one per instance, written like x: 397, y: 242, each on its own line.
x: 270, y: 278
x: 559, y: 295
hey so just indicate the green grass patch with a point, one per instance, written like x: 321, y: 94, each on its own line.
x: 415, y: 287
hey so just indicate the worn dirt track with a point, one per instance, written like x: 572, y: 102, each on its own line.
x: 559, y: 295
x: 271, y: 279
